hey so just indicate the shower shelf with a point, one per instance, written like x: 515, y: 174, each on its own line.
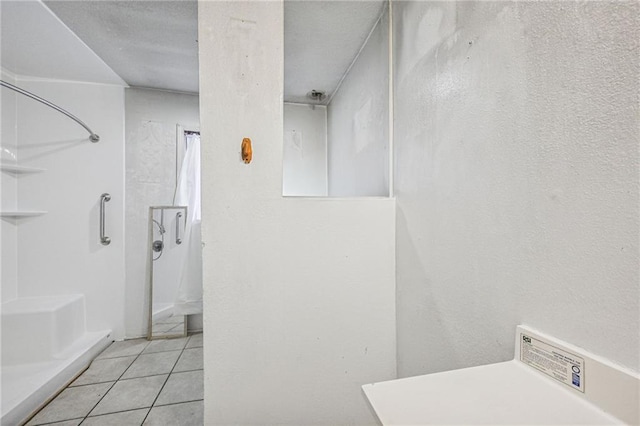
x: 22, y: 213
x: 19, y: 170
x: 15, y: 168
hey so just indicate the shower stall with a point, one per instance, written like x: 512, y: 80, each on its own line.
x: 62, y: 233
x: 67, y: 288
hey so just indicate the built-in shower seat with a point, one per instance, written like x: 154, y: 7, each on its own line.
x: 45, y: 344
x: 39, y: 328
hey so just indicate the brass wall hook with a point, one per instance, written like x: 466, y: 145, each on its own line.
x: 247, y: 152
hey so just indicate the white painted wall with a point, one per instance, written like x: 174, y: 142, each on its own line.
x: 60, y: 252
x: 304, y: 162
x: 9, y: 196
x: 298, y: 292
x: 358, y: 122
x: 150, y: 120
x: 516, y: 136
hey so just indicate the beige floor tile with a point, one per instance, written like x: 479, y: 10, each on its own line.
x: 191, y: 359
x: 166, y: 345
x: 130, y: 395
x: 125, y: 418
x: 182, y: 387
x: 152, y: 364
x: 195, y: 341
x: 124, y: 348
x: 72, y: 403
x: 104, y: 370
x: 184, y: 414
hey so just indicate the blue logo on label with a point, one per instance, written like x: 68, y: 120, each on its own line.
x: 576, y: 379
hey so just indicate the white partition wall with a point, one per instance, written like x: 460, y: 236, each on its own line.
x: 298, y: 293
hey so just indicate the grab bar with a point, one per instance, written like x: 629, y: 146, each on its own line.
x: 92, y: 136
x: 178, y: 239
x: 104, y: 240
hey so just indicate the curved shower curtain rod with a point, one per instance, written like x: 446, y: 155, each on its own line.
x: 93, y: 137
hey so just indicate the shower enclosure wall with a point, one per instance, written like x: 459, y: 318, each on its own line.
x: 62, y: 290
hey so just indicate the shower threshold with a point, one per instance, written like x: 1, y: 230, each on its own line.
x: 28, y: 387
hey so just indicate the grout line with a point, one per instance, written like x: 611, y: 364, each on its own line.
x: 115, y: 412
x: 141, y: 377
x: 90, y: 384
x: 99, y: 358
x: 178, y: 403
x: 53, y: 423
x: 187, y: 371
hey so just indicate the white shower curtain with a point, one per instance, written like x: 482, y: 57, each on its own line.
x: 189, y: 297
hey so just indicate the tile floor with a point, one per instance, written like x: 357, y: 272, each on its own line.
x: 170, y: 326
x: 134, y: 382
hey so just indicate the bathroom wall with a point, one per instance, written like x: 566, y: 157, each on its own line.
x: 151, y: 117
x: 9, y: 198
x: 60, y: 251
x: 304, y: 163
x: 358, y: 122
x: 516, y: 143
x: 298, y: 292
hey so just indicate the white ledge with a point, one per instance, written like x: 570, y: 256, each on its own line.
x: 22, y: 213
x: 15, y: 168
x: 512, y: 392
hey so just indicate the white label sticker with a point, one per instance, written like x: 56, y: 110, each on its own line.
x: 559, y: 364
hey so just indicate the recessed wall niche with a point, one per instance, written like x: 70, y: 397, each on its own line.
x: 336, y: 99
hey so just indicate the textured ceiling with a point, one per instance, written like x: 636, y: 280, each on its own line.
x: 147, y: 43
x: 154, y: 43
